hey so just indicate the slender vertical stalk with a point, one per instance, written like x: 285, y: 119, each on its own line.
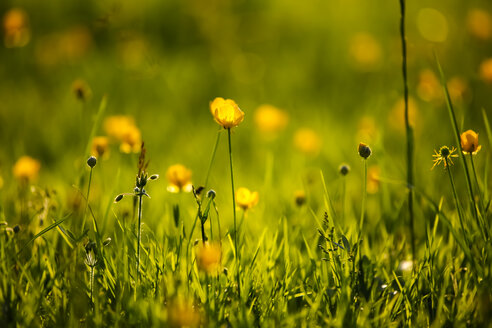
x: 92, y: 286
x: 234, y: 213
x: 364, y: 196
x: 212, y: 159
x: 408, y: 128
x: 87, y: 200
x: 204, y: 237
x: 454, y: 124
x: 139, y: 237
x: 456, y: 200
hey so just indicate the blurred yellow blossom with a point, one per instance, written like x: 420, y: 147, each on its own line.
x: 246, y: 199
x: 365, y: 51
x: 226, y: 112
x: 270, y: 120
x: 300, y: 197
x: 179, y: 178
x: 486, y: 70
x: 469, y: 142
x: 367, y: 129
x: 17, y: 32
x: 1, y: 182
x: 373, y: 180
x: 479, y: 24
x: 26, y: 169
x: 209, y: 257
x: 458, y: 89
x: 429, y: 87
x: 307, y: 141
x: 123, y: 129
x: 396, y: 118
x: 182, y: 314
x: 100, y: 147
x: 81, y: 90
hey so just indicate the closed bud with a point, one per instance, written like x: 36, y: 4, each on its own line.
x: 364, y: 150
x: 16, y: 229
x: 91, y: 162
x: 154, y: 177
x: 211, y: 194
x: 118, y: 198
x: 344, y: 169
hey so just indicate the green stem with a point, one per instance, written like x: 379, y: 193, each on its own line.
x: 234, y: 213
x: 139, y: 236
x: 364, y: 196
x: 408, y: 128
x: 456, y: 200
x: 212, y: 159
x: 460, y: 151
x: 92, y: 286
x: 87, y: 200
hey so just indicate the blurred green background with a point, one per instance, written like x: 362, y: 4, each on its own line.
x: 332, y: 66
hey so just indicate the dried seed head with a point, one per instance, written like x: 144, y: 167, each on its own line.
x: 211, y: 194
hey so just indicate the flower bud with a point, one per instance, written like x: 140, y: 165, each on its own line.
x: 211, y: 194
x: 344, y: 169
x: 91, y: 162
x: 118, y: 198
x: 364, y: 150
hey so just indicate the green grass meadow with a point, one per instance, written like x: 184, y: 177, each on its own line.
x: 150, y: 234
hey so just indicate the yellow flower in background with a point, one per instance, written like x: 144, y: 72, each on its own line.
x: 26, y: 169
x: 16, y: 28
x: 300, y: 197
x: 396, y: 118
x: 429, y: 88
x: 246, y: 199
x: 373, y: 179
x: 1, y: 182
x: 123, y: 129
x: 458, y: 89
x: 469, y: 142
x: 100, y: 147
x: 365, y: 51
x: 209, y: 257
x: 270, y: 120
x: 486, y: 70
x: 179, y: 178
x: 479, y: 24
x: 182, y: 314
x: 226, y: 112
x: 367, y: 130
x: 81, y: 90
x: 307, y: 141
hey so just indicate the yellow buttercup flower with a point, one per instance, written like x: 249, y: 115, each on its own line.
x: 486, y: 70
x: 270, y: 120
x: 26, y: 169
x: 246, y: 199
x: 100, y: 147
x: 16, y: 28
x: 469, y: 142
x: 183, y: 314
x: 307, y: 141
x: 209, y: 257
x: 479, y: 24
x: 123, y: 129
x: 226, y: 112
x: 179, y: 178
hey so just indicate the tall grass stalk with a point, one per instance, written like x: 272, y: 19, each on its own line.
x: 210, y: 163
x: 234, y: 213
x: 87, y: 200
x: 457, y: 202
x: 457, y: 135
x: 408, y: 128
